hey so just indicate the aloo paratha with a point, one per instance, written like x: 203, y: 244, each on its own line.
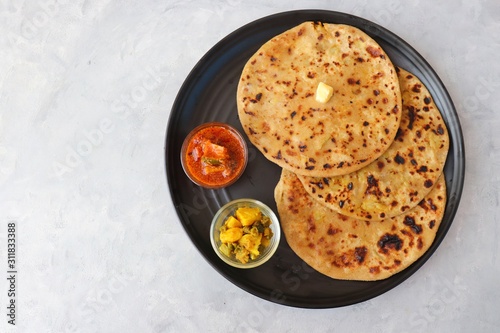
x: 346, y: 248
x: 279, y: 113
x: 404, y: 174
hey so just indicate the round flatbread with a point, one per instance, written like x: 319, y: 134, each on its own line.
x: 404, y: 174
x: 346, y: 248
x: 279, y: 112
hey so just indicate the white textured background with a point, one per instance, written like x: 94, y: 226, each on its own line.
x: 86, y: 89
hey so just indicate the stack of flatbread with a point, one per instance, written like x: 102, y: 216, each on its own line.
x: 362, y: 191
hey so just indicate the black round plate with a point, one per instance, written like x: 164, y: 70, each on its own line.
x: 209, y: 94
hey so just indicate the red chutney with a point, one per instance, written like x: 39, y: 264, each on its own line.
x: 215, y: 156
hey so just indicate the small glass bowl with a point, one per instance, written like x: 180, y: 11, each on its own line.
x: 229, y: 209
x: 231, y: 179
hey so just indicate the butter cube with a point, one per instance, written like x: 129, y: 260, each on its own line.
x: 324, y: 92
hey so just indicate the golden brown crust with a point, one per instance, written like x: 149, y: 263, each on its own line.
x: 279, y: 113
x: 346, y: 248
x: 404, y: 174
